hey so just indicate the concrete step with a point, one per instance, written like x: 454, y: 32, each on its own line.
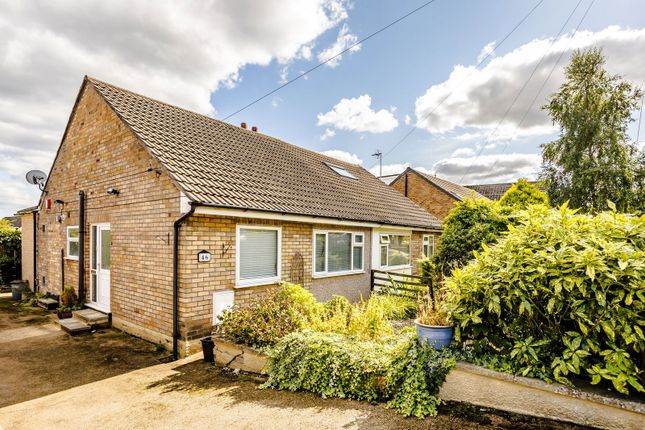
x: 74, y: 326
x: 48, y: 303
x: 93, y: 318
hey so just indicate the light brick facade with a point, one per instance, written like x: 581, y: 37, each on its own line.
x: 99, y: 152
x: 427, y: 195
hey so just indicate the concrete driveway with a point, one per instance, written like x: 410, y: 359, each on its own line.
x: 191, y: 394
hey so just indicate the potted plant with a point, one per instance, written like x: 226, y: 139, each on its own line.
x: 68, y: 301
x: 434, y: 326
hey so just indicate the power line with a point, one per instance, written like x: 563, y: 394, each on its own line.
x: 519, y: 93
x: 549, y: 77
x: 640, y: 118
x: 306, y: 72
x: 415, y: 127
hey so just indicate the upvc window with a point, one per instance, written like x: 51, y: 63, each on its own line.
x: 72, y: 242
x: 338, y: 252
x: 258, y: 255
x: 428, y: 245
x: 394, y: 250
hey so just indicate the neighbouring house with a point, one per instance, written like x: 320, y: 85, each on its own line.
x: 495, y: 191
x: 436, y: 195
x: 162, y: 217
x: 14, y: 222
x: 28, y: 262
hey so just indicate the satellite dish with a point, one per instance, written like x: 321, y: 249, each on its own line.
x: 36, y: 177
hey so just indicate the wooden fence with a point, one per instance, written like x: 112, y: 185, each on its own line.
x: 400, y: 284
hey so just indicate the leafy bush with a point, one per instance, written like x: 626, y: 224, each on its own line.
x: 472, y: 223
x: 560, y: 295
x: 332, y: 365
x: 261, y: 323
x: 522, y: 195
x: 68, y: 298
x: 10, y: 255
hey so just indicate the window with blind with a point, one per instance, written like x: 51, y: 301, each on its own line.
x: 337, y: 252
x: 258, y: 255
x: 395, y: 250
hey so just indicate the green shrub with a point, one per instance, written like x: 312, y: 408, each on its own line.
x: 522, y: 195
x: 261, y: 323
x: 472, y: 223
x: 401, y: 371
x: 68, y: 298
x: 560, y: 295
x: 10, y: 255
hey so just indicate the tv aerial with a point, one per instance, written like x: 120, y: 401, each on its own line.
x: 36, y: 177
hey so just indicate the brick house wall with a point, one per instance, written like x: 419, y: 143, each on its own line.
x: 427, y: 195
x: 100, y: 152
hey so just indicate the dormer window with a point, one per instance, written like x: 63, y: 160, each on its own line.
x: 341, y: 171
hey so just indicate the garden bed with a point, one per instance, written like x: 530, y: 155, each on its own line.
x: 236, y: 356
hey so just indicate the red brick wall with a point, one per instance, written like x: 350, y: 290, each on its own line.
x: 428, y: 196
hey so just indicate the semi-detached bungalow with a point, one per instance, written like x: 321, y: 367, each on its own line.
x: 162, y: 217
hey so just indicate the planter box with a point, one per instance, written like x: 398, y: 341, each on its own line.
x: 235, y: 356
x: 477, y: 385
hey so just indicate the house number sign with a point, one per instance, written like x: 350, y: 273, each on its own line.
x: 203, y: 256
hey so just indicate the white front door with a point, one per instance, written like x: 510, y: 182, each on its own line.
x: 100, y: 243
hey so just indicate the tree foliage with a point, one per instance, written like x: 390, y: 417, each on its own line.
x: 470, y: 224
x: 522, y: 194
x: 592, y: 161
x: 561, y: 294
x: 10, y: 255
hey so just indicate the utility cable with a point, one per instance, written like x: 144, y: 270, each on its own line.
x: 349, y: 48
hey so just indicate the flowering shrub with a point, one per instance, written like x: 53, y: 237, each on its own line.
x: 562, y: 294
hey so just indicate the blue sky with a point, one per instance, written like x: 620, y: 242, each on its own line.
x: 216, y: 57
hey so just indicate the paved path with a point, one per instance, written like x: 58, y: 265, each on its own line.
x: 132, y: 401
x: 27, y: 332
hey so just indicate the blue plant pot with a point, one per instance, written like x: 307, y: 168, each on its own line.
x: 438, y: 336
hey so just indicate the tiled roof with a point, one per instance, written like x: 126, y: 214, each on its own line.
x: 219, y: 164
x: 495, y: 191
x: 459, y: 192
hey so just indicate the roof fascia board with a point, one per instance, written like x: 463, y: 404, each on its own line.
x: 247, y: 213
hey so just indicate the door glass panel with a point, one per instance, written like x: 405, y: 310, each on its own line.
x: 93, y: 262
x: 105, y: 249
x: 93, y: 283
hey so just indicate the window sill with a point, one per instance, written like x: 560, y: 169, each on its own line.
x: 335, y: 274
x: 71, y: 258
x: 257, y: 282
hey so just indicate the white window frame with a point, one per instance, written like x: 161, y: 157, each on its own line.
x: 241, y: 283
x: 69, y: 240
x: 386, y: 243
x: 352, y: 271
x: 428, y: 239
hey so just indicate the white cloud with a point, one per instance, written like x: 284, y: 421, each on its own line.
x: 407, y: 120
x: 328, y: 134
x: 343, y: 41
x: 479, y: 98
x: 486, y: 51
x: 488, y: 168
x: 463, y: 152
x: 179, y: 52
x: 356, y: 114
x: 343, y: 156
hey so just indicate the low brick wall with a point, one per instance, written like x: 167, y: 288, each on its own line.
x: 229, y: 354
x: 476, y: 385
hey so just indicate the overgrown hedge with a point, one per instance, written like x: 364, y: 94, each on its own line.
x: 402, y: 372
x: 10, y: 255
x: 562, y: 294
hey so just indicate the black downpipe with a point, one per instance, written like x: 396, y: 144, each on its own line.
x: 406, y: 184
x: 175, y: 282
x: 81, y: 247
x: 35, y: 220
x: 62, y: 269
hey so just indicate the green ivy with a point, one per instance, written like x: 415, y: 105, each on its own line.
x: 10, y: 255
x: 562, y: 294
x: 399, y: 371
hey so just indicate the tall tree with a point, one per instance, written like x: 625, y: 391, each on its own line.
x: 592, y: 161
